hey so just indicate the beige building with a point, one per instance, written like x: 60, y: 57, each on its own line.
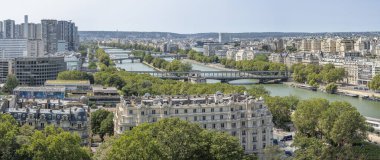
x: 305, y: 45
x: 315, y: 45
x: 244, y: 55
x: 328, y: 46
x: 244, y: 117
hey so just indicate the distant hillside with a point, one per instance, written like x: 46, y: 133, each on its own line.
x: 250, y: 35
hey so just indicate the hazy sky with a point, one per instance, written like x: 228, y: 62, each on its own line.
x: 193, y: 16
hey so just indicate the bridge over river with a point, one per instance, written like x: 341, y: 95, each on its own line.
x: 223, y: 76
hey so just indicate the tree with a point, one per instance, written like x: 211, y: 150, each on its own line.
x: 92, y: 65
x: 10, y: 84
x: 328, y: 130
x: 148, y: 58
x: 8, y: 133
x: 97, y: 118
x: 54, y: 143
x: 281, y: 108
x: 331, y: 88
x: 375, y: 83
x: 106, y: 126
x: 173, y: 138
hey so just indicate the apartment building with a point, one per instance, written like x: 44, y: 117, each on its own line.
x: 242, y: 116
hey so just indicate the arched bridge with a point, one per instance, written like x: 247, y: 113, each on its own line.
x: 223, y: 76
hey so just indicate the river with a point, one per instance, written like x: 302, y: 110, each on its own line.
x: 365, y: 107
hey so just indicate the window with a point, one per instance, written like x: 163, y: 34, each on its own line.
x: 130, y: 111
x: 253, y: 115
x: 121, y: 129
x: 212, y: 117
x: 220, y: 109
x: 195, y: 118
x: 254, y: 139
x: 233, y: 133
x: 204, y: 118
x: 194, y: 110
x: 176, y: 111
x: 222, y: 125
x: 154, y: 119
x: 142, y: 112
x: 232, y: 109
x: 214, y: 126
x: 264, y: 131
x: 242, y: 139
x: 262, y: 122
x: 212, y: 109
x: 243, y: 132
x: 221, y: 117
x: 30, y: 123
x: 243, y: 124
x: 242, y: 115
x: 264, y: 145
x: 43, y: 125
x: 203, y: 110
x: 241, y: 107
x: 205, y: 126
x: 233, y: 125
x: 165, y: 112
x: 185, y: 110
x: 153, y: 111
x: 264, y: 138
x: 232, y: 116
x: 79, y: 126
x: 254, y: 147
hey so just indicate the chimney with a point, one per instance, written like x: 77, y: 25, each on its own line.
x: 26, y: 25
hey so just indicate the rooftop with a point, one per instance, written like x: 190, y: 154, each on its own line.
x: 67, y: 82
x: 41, y: 89
x: 104, y: 89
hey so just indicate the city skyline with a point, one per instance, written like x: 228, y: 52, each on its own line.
x: 198, y: 16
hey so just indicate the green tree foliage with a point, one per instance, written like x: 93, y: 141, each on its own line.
x: 10, y: 84
x: 375, y: 83
x: 260, y: 63
x: 8, y: 133
x: 173, y: 139
x: 177, y: 65
x: 197, y: 56
x: 148, y: 58
x: 133, y: 46
x: 102, y: 123
x: 331, y: 88
x: 328, y: 130
x: 54, y: 143
x: 281, y: 109
x: 316, y: 74
x: 92, y: 65
x: 106, y: 126
x: 75, y: 75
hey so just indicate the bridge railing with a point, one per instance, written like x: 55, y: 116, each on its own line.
x: 218, y: 74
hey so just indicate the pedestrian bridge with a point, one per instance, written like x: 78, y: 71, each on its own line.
x: 223, y: 76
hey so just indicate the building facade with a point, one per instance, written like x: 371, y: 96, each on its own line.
x: 239, y: 115
x: 12, y: 48
x: 32, y: 71
x: 49, y: 36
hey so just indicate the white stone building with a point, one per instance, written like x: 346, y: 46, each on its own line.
x: 244, y: 117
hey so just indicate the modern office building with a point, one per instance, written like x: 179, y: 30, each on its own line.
x: 239, y: 115
x: 67, y: 32
x: 35, y: 48
x: 224, y: 38
x: 1, y: 29
x: 12, y: 48
x: 9, y: 29
x: 49, y: 36
x: 32, y: 71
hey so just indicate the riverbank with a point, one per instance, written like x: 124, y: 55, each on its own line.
x: 214, y: 65
x: 344, y: 91
x: 151, y: 66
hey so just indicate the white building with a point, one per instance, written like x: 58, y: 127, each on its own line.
x: 244, y: 55
x: 12, y: 48
x: 244, y: 117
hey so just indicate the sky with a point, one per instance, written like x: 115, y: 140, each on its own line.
x: 196, y: 16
